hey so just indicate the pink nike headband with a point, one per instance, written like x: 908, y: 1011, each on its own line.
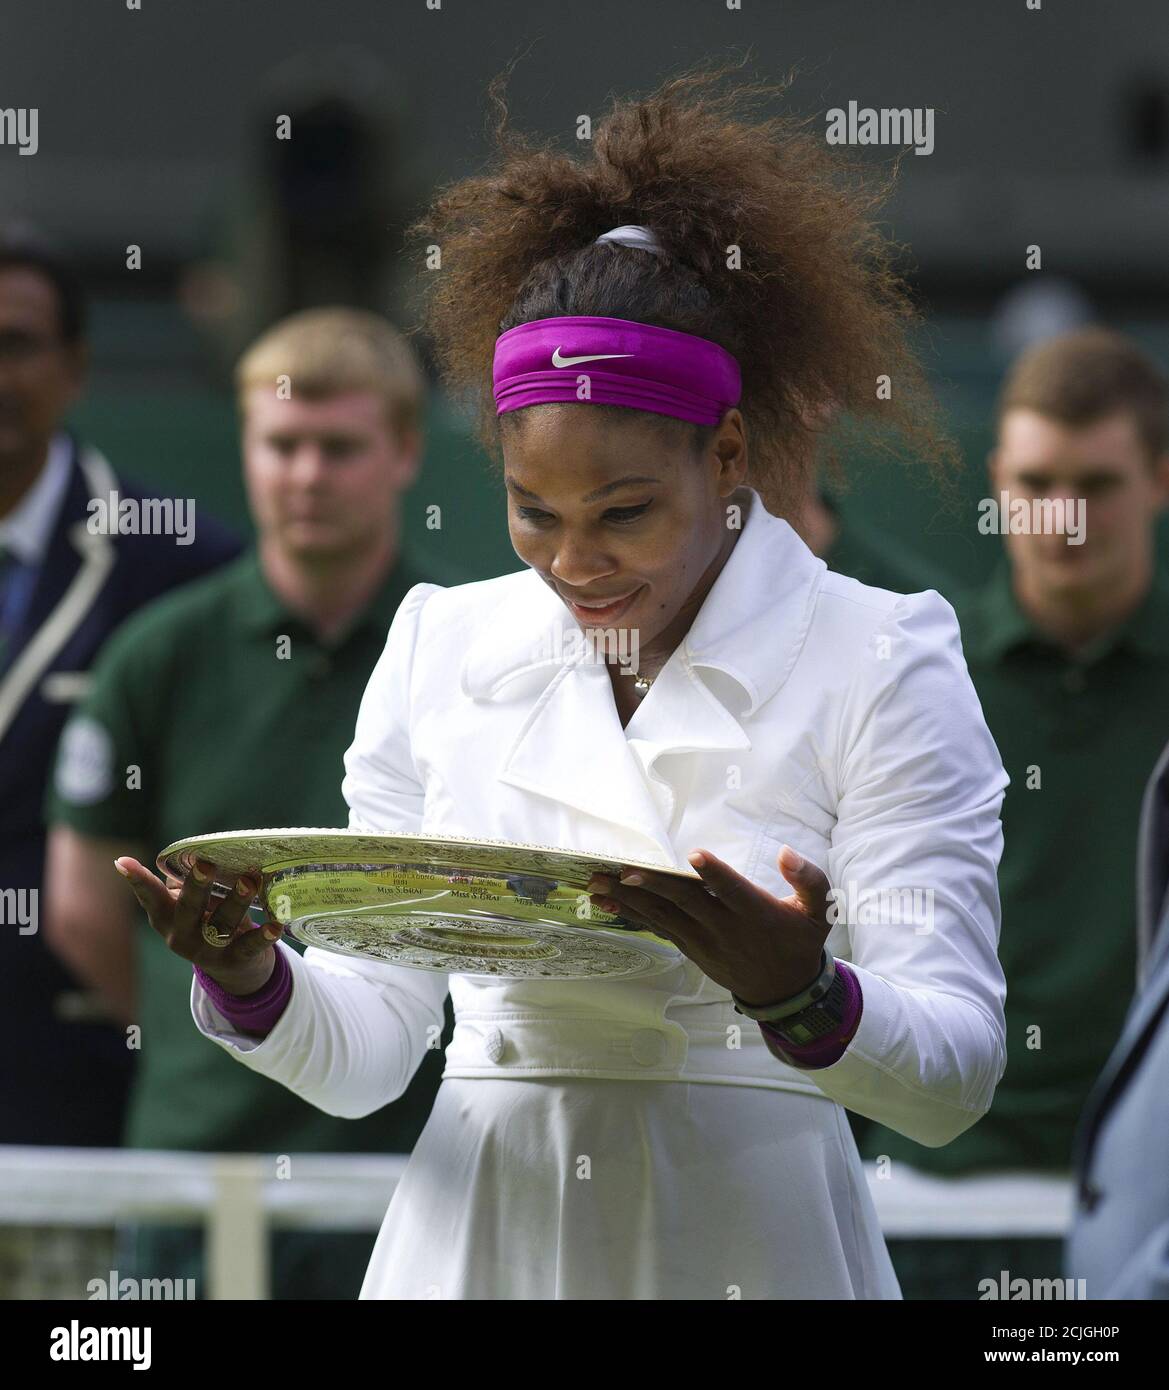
x: 614, y: 362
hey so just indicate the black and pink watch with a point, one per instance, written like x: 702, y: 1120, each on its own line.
x: 805, y: 1017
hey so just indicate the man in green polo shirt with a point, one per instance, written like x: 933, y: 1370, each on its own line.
x: 229, y: 705
x: 1068, y: 647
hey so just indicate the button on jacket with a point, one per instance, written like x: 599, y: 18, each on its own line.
x: 802, y: 707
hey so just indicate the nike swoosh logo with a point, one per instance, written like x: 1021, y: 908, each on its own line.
x: 558, y: 361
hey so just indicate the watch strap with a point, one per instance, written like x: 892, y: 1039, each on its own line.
x: 818, y: 1020
x: 797, y: 1003
x: 829, y: 1048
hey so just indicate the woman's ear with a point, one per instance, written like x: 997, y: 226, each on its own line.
x: 729, y: 446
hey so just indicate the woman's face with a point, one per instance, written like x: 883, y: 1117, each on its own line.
x: 621, y: 517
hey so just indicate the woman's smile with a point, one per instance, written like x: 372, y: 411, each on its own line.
x: 592, y: 613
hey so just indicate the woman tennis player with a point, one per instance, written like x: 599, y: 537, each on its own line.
x: 654, y: 331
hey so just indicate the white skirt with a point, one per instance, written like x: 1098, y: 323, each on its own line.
x: 576, y: 1188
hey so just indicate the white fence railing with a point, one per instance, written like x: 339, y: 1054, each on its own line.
x: 239, y: 1197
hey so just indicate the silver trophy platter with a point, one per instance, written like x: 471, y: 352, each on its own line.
x: 463, y: 906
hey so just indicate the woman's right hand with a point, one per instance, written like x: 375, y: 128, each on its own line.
x: 188, y: 920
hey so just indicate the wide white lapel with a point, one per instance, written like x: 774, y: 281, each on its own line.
x: 759, y: 609
x: 572, y: 748
x: 751, y: 628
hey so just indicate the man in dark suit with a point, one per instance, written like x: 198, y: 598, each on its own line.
x: 67, y: 579
x: 1119, y: 1243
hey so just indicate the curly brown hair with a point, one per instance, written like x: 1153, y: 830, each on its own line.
x: 814, y: 313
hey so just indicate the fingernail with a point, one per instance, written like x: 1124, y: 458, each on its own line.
x: 199, y: 874
x: 697, y: 859
x: 124, y: 872
x: 633, y: 878
x: 796, y: 861
x: 242, y: 886
x: 269, y: 935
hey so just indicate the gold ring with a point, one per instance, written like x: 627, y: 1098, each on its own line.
x: 215, y: 936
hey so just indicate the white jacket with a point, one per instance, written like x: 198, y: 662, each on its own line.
x: 802, y: 707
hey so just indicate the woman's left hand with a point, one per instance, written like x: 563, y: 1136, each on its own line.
x: 762, y: 948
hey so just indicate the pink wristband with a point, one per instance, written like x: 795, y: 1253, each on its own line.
x: 259, y: 1011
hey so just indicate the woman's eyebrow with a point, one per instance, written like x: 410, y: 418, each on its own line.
x: 592, y: 496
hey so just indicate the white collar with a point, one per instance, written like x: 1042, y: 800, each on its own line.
x: 751, y: 629
x: 27, y: 530
x: 751, y: 625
